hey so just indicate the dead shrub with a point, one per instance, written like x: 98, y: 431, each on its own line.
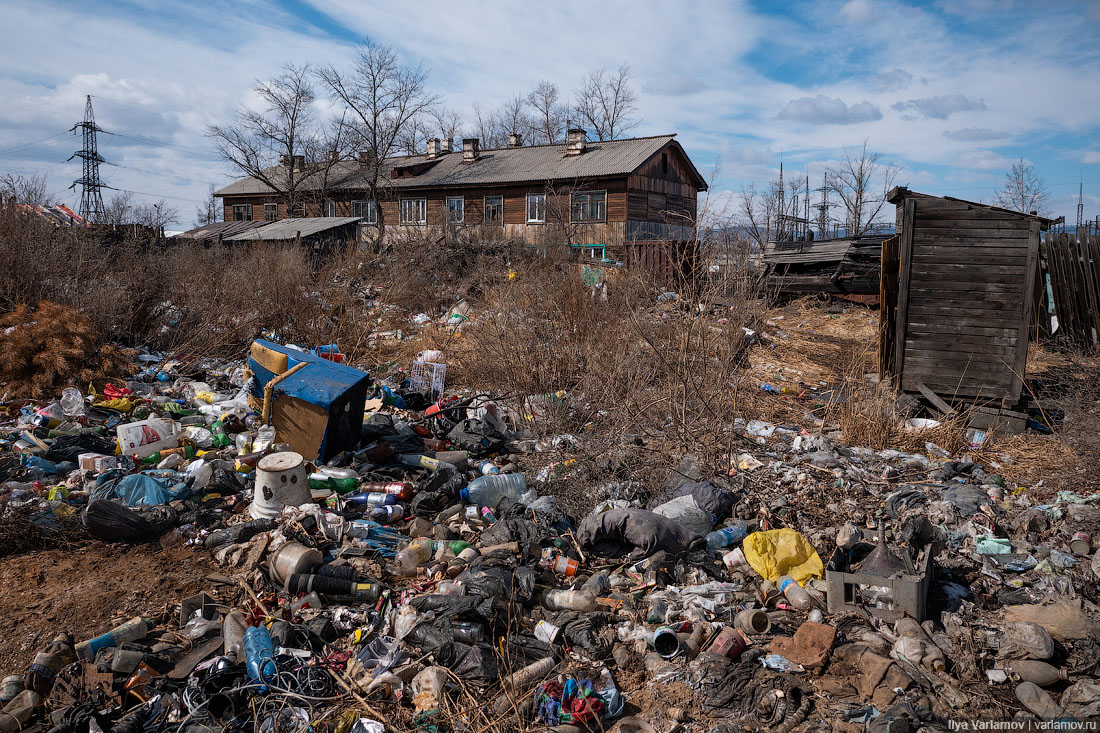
x: 52, y: 346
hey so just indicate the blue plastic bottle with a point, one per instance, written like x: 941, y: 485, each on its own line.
x: 726, y: 536
x: 259, y: 654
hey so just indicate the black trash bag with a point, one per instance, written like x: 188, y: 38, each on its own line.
x: 113, y: 522
x: 238, y: 533
x: 447, y: 606
x: 478, y: 437
x: 428, y: 504
x: 495, y: 582
x: 446, y: 479
x: 472, y: 663
x: 523, y: 531
x: 590, y: 632
x: 68, y: 447
x: 641, y: 533
x: 715, y: 499
x: 380, y: 427
x: 224, y: 481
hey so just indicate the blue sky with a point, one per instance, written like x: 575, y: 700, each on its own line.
x: 952, y: 92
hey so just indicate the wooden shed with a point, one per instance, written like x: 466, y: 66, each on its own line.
x: 958, y: 299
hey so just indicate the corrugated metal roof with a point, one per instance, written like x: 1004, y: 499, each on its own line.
x: 291, y: 228
x: 220, y: 229
x: 494, y: 167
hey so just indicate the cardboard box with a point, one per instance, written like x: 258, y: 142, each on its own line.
x: 98, y: 463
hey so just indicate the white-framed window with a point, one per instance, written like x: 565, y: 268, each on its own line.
x: 242, y: 212
x: 271, y: 212
x: 414, y: 211
x: 365, y: 210
x: 330, y: 208
x: 589, y: 206
x: 536, y: 208
x: 456, y: 209
x: 494, y: 210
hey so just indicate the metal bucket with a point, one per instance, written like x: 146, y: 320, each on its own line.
x: 280, y: 481
x: 291, y: 559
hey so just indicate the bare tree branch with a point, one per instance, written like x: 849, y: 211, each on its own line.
x: 548, y: 120
x: 861, y: 183
x: 606, y: 103
x: 1024, y: 190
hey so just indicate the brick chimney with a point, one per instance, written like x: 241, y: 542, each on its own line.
x: 515, y: 140
x: 299, y: 163
x: 433, y: 148
x: 445, y: 146
x: 576, y: 141
x: 470, y: 151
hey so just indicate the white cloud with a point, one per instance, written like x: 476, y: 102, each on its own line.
x: 858, y: 11
x: 893, y: 80
x: 823, y: 110
x: 938, y: 108
x: 1090, y: 157
x: 974, y: 134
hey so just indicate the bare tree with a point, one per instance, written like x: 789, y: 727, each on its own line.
x: 513, y: 117
x: 209, y: 211
x: 118, y: 209
x: 488, y: 127
x: 414, y: 138
x: 155, y: 216
x: 549, y: 116
x: 1024, y: 189
x: 20, y: 189
x: 448, y: 122
x: 606, y: 103
x: 383, y: 97
x: 283, y: 129
x: 861, y: 182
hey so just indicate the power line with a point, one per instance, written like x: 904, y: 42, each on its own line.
x: 163, y: 174
x: 155, y: 195
x: 159, y: 144
x: 33, y: 143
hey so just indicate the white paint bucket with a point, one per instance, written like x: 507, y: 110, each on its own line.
x: 280, y: 481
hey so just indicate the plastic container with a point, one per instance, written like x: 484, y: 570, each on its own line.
x: 795, y: 593
x: 1032, y: 670
x: 403, y: 490
x: 722, y: 538
x: 488, y: 490
x: 72, y: 402
x: 371, y: 498
x: 233, y: 628
x: 665, y: 642
x: 133, y: 630
x: 753, y: 621
x: 387, y: 514
x: 292, y: 559
x: 11, y: 686
x: 47, y: 663
x: 259, y: 654
x: 569, y: 600
x: 280, y: 481
x: 147, y: 436
x: 1038, y: 701
x: 414, y: 554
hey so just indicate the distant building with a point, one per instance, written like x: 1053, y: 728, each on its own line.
x: 610, y: 200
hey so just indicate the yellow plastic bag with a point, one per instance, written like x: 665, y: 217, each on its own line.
x: 122, y: 404
x: 780, y: 552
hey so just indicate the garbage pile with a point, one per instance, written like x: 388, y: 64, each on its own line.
x: 394, y: 562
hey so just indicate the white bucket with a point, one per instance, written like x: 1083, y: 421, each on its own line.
x: 280, y: 481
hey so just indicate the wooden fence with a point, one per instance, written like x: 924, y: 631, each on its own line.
x: 1071, y: 266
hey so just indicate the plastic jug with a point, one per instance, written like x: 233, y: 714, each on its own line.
x: 488, y: 490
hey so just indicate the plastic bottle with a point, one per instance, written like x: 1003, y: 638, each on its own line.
x: 243, y: 441
x: 387, y: 514
x: 419, y: 461
x: 233, y: 629
x: 133, y: 630
x: 403, y: 490
x: 154, y: 458
x: 1032, y: 670
x: 47, y: 663
x: 469, y: 632
x: 1038, y: 701
x: 414, y: 554
x: 259, y: 654
x: 339, y: 485
x: 795, y: 593
x: 488, y: 490
x: 371, y: 498
x: 487, y: 468
x: 72, y: 402
x: 221, y: 437
x: 265, y: 436
x: 569, y: 600
x: 721, y: 538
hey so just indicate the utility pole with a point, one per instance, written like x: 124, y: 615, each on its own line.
x: 823, y: 208
x: 1081, y: 204
x: 91, y: 197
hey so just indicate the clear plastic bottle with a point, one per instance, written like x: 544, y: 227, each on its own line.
x: 569, y: 600
x: 488, y: 490
x: 417, y: 552
x: 72, y: 402
x: 795, y: 593
x: 726, y: 536
x: 1038, y: 701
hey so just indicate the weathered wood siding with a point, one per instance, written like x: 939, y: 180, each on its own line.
x: 964, y: 302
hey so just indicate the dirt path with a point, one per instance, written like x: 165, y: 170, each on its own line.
x: 84, y: 589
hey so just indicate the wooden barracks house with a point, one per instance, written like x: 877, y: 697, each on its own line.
x: 632, y: 199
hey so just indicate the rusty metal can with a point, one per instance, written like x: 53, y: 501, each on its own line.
x: 1081, y: 544
x: 730, y: 642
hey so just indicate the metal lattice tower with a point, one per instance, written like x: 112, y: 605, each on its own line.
x: 1081, y: 205
x: 823, y: 208
x: 91, y: 197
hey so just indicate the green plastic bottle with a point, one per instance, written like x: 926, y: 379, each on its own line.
x: 339, y: 485
x: 221, y: 438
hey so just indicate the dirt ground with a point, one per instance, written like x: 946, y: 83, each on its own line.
x: 82, y: 590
